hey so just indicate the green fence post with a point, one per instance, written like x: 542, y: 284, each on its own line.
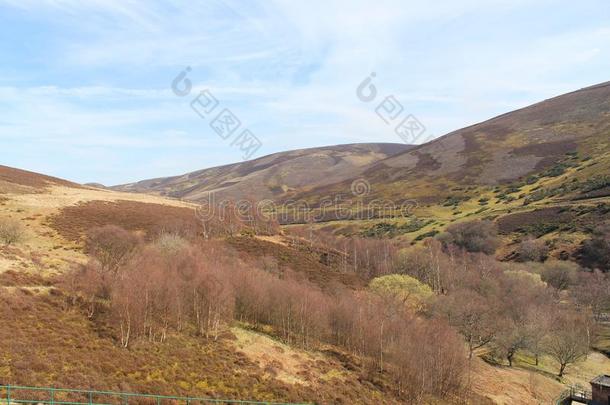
x: 90, y: 397
x: 52, y: 391
x: 8, y: 394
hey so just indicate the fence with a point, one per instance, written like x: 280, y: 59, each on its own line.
x: 575, y: 393
x: 12, y: 394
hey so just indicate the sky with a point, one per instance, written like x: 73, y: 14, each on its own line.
x: 87, y: 94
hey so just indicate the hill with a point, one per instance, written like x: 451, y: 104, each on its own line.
x: 44, y: 328
x: 539, y: 172
x: 553, y: 156
x: 543, y: 139
x: 275, y: 176
x: 242, y: 363
x: 542, y: 171
x: 12, y: 179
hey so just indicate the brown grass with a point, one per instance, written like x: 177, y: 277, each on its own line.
x: 513, y: 222
x: 504, y: 385
x: 301, y: 261
x: 30, y: 179
x: 48, y: 346
x: 73, y: 222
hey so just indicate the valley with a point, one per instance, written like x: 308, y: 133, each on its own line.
x: 143, y: 288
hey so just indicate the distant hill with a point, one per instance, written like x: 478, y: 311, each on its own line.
x: 96, y: 185
x: 275, y: 176
x: 511, y: 147
x: 542, y: 138
x: 15, y: 178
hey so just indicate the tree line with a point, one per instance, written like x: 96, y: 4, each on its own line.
x: 178, y: 284
x: 148, y: 291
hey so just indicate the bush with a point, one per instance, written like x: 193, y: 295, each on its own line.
x: 595, y: 252
x: 385, y: 229
x: 533, y: 279
x: 11, y: 231
x: 532, y: 250
x: 111, y: 246
x: 402, y: 288
x: 474, y: 236
x: 560, y: 275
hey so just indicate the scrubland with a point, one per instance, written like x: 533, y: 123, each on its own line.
x: 119, y: 291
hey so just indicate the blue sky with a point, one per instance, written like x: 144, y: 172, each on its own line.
x: 85, y: 85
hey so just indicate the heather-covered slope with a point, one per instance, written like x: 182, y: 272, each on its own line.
x: 508, y: 148
x: 530, y: 141
x: 52, y: 343
x: 275, y: 176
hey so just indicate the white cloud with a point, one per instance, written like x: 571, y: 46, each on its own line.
x: 289, y: 69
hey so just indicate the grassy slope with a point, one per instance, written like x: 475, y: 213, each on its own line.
x: 488, y: 160
x: 275, y: 176
x: 49, y: 345
x: 572, y: 227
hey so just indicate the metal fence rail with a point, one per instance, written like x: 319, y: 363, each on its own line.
x: 14, y: 394
x: 574, y: 393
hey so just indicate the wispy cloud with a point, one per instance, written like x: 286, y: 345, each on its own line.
x: 94, y: 76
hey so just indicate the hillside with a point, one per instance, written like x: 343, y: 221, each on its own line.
x: 276, y: 176
x: 45, y: 332
x: 541, y: 139
x: 542, y: 171
x: 35, y: 299
x: 50, y: 328
x: 544, y: 175
x: 15, y: 180
x: 553, y: 155
x: 243, y: 363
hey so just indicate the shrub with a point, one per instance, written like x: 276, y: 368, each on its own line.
x: 533, y: 279
x: 532, y: 250
x: 559, y: 274
x: 475, y: 236
x: 111, y: 246
x: 595, y: 252
x: 429, y: 234
x: 170, y: 242
x: 385, y: 229
x: 402, y: 288
x: 11, y: 231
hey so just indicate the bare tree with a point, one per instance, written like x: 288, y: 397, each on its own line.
x: 111, y: 246
x: 559, y: 274
x: 593, y: 292
x: 538, y: 325
x: 474, y: 316
x: 568, y: 340
x: 512, y: 336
